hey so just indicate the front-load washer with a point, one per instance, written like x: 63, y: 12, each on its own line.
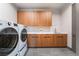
x: 9, y: 39
x: 23, y: 40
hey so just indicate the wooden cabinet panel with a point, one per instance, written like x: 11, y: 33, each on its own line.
x: 60, y: 39
x: 47, y: 40
x: 51, y: 41
x: 24, y: 18
x: 35, y: 18
x: 45, y: 18
x: 34, y: 40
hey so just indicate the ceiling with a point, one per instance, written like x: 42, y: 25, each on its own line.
x: 55, y: 7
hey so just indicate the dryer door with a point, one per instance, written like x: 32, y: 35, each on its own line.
x: 23, y: 35
x: 8, y: 41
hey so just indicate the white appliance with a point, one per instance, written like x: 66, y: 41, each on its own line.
x: 9, y: 39
x: 23, y: 40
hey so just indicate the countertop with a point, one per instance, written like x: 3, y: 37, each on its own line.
x: 44, y: 33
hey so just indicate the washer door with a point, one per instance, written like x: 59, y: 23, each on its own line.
x: 23, y: 35
x: 8, y: 41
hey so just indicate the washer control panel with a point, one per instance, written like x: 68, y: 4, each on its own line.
x: 9, y: 23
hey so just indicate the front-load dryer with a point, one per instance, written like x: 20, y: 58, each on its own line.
x: 23, y: 40
x: 9, y: 39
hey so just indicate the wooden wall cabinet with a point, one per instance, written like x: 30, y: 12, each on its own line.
x: 34, y: 18
x: 47, y: 40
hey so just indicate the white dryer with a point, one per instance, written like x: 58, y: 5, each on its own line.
x: 9, y: 39
x: 23, y: 40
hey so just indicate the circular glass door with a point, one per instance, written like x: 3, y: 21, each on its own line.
x: 23, y: 35
x: 8, y: 41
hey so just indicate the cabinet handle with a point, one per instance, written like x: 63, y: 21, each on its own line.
x: 34, y: 37
x: 47, y: 37
x: 59, y: 36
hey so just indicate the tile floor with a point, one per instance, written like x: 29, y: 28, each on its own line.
x: 50, y: 52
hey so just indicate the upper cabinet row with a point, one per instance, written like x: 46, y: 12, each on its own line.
x: 34, y: 18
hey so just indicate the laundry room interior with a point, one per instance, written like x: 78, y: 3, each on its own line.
x: 39, y: 29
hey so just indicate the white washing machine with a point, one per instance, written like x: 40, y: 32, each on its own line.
x: 23, y: 40
x: 9, y: 39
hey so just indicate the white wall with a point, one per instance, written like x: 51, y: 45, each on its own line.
x: 56, y: 19
x: 55, y: 24
x: 8, y: 12
x: 66, y: 24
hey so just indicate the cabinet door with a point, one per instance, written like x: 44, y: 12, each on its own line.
x: 34, y: 40
x: 46, y: 40
x: 20, y: 16
x: 37, y: 40
x: 36, y: 19
x: 45, y: 18
x: 60, y: 40
x: 24, y: 18
x: 31, y: 41
x: 51, y: 41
